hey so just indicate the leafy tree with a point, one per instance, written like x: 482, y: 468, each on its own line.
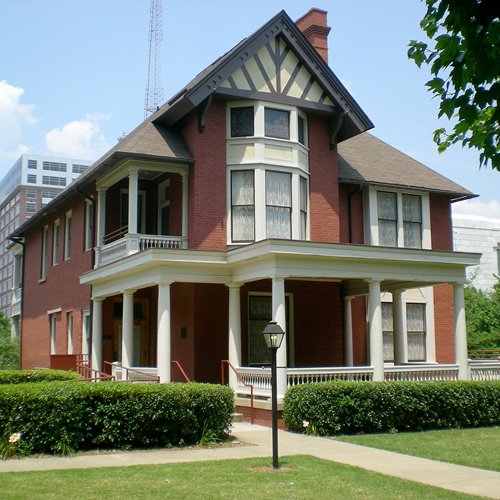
x: 465, y: 64
x: 482, y: 311
x: 9, y: 349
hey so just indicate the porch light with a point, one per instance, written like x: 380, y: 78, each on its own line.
x: 273, y: 336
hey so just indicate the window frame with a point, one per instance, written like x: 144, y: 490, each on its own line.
x: 233, y: 205
x: 44, y: 250
x: 67, y: 234
x: 55, y: 242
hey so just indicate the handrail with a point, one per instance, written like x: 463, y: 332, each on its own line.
x: 176, y: 363
x: 145, y: 376
x: 115, y: 235
x: 239, y: 378
x: 86, y: 370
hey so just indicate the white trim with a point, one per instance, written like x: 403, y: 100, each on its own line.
x: 68, y: 217
x: 70, y: 331
x: 55, y: 242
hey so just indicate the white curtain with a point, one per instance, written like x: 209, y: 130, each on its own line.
x: 388, y: 331
x: 278, y: 205
x: 412, y: 221
x: 415, y: 326
x: 242, y: 200
x: 303, y: 208
x: 387, y: 218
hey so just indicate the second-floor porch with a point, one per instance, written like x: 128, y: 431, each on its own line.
x: 141, y: 205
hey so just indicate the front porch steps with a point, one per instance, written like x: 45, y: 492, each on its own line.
x: 238, y: 417
x: 262, y: 410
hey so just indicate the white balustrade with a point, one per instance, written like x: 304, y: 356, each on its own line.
x: 485, y: 369
x: 421, y: 373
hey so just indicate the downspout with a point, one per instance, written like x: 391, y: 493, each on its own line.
x: 92, y: 263
x: 18, y: 239
x: 349, y: 208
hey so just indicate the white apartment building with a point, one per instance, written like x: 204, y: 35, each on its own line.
x: 474, y: 233
x: 29, y: 185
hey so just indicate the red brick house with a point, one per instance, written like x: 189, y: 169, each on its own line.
x: 255, y: 193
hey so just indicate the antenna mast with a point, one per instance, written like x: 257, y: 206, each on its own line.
x: 154, y: 88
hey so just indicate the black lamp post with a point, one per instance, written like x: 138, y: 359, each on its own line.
x: 273, y: 335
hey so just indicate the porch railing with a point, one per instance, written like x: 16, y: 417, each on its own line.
x: 139, y: 374
x: 421, y: 373
x: 118, y: 245
x: 485, y: 370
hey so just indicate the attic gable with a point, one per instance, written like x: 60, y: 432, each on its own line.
x: 276, y: 70
x: 278, y: 64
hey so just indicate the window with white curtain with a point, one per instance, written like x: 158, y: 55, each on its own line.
x: 412, y: 221
x: 387, y: 206
x: 415, y: 327
x: 388, y: 331
x: 303, y: 208
x: 415, y: 331
x: 242, y: 205
x: 399, y: 219
x: 278, y: 205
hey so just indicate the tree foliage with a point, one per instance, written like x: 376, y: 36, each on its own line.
x: 482, y: 311
x: 9, y: 349
x: 464, y: 61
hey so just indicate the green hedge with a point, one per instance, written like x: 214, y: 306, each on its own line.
x: 45, y: 375
x: 366, y: 407
x: 58, y: 417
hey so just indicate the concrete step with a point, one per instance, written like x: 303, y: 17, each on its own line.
x: 238, y: 417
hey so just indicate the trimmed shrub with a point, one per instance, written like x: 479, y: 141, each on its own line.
x: 42, y: 375
x: 330, y: 408
x: 57, y: 417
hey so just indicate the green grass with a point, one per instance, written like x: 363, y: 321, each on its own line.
x: 300, y: 477
x: 472, y: 447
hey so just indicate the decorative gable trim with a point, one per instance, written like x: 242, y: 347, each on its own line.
x: 278, y: 64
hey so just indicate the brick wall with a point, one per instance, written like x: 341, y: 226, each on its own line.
x: 60, y: 289
x: 356, y: 221
x: 207, y: 181
x: 441, y: 224
x: 324, y: 187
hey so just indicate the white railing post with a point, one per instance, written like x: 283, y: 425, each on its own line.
x: 234, y: 347
x: 128, y: 328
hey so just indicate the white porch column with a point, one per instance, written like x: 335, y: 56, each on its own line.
x: 133, y: 194
x: 461, y: 355
x: 96, y: 361
x: 234, y: 347
x: 163, y: 344
x: 279, y: 315
x: 128, y: 328
x: 376, y: 337
x: 398, y: 328
x: 101, y: 215
x: 185, y: 209
x: 348, y: 349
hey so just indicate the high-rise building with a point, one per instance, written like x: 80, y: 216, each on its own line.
x: 30, y: 184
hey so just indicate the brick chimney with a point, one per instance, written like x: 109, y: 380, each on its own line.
x: 313, y: 25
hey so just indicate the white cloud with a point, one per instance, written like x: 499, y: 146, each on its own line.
x: 489, y: 209
x: 82, y: 139
x: 13, y: 117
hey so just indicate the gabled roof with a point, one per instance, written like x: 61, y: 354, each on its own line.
x: 148, y: 141
x: 278, y: 64
x: 367, y: 159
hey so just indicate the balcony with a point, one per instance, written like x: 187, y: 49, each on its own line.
x: 120, y: 244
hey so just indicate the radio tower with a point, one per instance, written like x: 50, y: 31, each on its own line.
x: 154, y: 89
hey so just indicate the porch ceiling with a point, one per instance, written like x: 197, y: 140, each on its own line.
x: 350, y: 264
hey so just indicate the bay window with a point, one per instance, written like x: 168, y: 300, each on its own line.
x: 242, y: 121
x: 412, y: 221
x: 278, y: 205
x: 242, y: 206
x: 277, y: 123
x: 387, y: 219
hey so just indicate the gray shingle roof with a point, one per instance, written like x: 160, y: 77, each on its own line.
x: 367, y: 159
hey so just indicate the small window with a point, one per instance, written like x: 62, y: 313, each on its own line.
x: 53, y: 181
x: 55, y: 243
x: 278, y: 205
x: 78, y: 169
x: 67, y: 236
x: 69, y: 326
x: 30, y: 194
x: 43, y: 262
x: 242, y: 206
x: 412, y: 221
x: 32, y: 164
x: 54, y: 166
x: 277, y: 123
x: 30, y: 208
x: 242, y: 122
x: 303, y: 208
x: 31, y: 179
x: 52, y: 321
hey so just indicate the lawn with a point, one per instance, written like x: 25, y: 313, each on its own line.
x: 300, y: 477
x: 472, y: 447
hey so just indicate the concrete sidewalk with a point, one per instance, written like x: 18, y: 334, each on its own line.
x: 256, y: 442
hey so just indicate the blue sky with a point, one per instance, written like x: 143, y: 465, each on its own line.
x: 73, y: 73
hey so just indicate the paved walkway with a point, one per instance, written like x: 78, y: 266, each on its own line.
x: 256, y: 442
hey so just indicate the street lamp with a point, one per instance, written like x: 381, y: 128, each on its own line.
x: 273, y: 335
